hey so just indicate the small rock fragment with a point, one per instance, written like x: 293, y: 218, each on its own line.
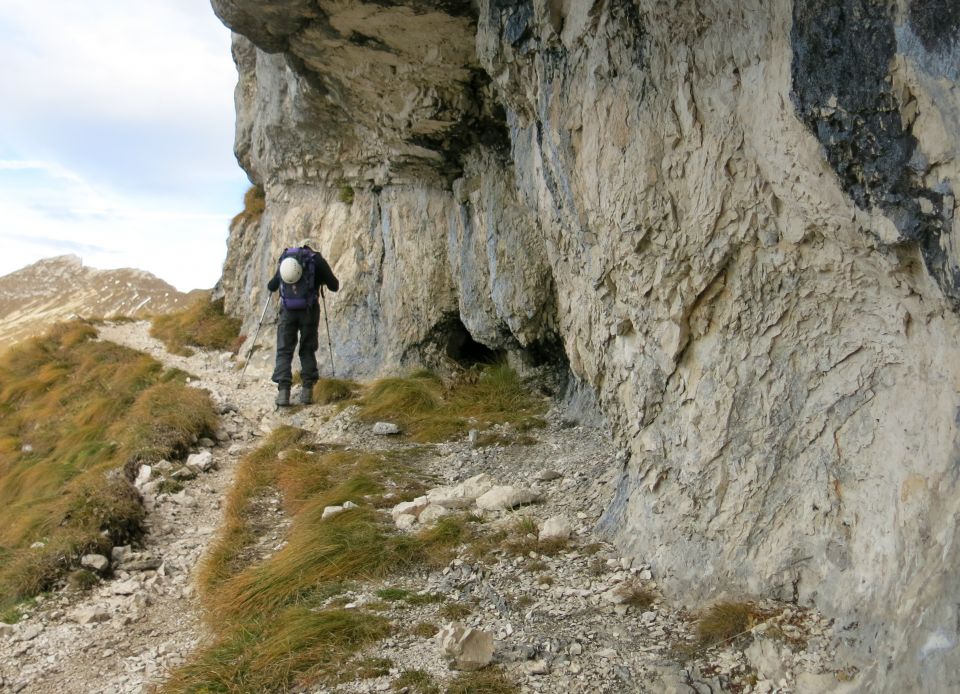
x: 143, y: 476
x: 405, y: 521
x: 386, y: 429
x: 465, y: 648
x: 90, y: 615
x: 547, y: 475
x: 202, y: 461
x: 556, y: 528
x: 95, y: 562
x: 331, y: 511
x: 184, y: 473
x: 432, y: 513
x: 29, y: 632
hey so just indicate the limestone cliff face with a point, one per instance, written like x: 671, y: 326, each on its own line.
x: 733, y: 220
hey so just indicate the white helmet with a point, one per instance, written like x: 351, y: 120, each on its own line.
x: 290, y: 270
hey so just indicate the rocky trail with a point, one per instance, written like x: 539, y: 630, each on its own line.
x: 554, y: 623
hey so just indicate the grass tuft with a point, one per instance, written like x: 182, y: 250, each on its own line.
x: 254, y: 204
x: 727, y: 620
x: 201, y: 324
x: 430, y: 411
x: 327, y: 391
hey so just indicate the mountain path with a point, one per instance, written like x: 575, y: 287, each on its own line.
x: 560, y: 623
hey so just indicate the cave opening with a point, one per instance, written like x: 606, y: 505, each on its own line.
x: 463, y: 349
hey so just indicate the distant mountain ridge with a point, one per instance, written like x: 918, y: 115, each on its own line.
x: 55, y: 289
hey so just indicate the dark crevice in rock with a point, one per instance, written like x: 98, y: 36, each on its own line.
x: 450, y: 339
x: 486, y: 126
x: 842, y: 91
x: 463, y: 349
x: 454, y: 8
x: 936, y: 22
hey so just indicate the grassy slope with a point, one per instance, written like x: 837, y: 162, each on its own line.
x: 73, y: 413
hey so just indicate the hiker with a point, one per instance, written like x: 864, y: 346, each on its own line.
x: 301, y: 275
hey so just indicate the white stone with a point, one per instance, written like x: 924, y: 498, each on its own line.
x: 128, y: 587
x: 331, y: 511
x: 405, y: 521
x: 556, y: 528
x: 764, y: 655
x: 476, y: 486
x: 410, y: 508
x: 386, y: 429
x: 506, y: 497
x: 202, y: 461
x: 143, y: 476
x: 95, y: 562
x: 464, y: 647
x: 432, y: 513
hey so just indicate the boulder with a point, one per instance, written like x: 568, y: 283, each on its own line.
x: 331, y: 511
x: 476, y: 486
x: 433, y: 513
x: 95, y: 562
x: 386, y: 429
x: 405, y: 521
x: 465, y: 648
x: 556, y: 528
x: 202, y: 461
x: 506, y: 497
x: 411, y: 508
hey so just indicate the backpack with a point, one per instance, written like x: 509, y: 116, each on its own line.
x: 303, y: 293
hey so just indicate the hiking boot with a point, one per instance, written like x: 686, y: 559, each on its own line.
x: 306, y: 394
x: 283, y: 396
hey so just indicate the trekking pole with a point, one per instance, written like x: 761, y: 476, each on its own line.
x: 333, y: 371
x: 253, y: 342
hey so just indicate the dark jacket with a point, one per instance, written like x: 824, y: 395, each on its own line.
x: 324, y: 275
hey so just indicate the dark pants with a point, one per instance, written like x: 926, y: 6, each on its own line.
x: 306, y: 323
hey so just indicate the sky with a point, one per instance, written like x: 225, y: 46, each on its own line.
x: 116, y: 136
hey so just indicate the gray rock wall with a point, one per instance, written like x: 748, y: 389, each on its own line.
x: 734, y: 219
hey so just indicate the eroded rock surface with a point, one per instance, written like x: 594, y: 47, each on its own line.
x: 733, y: 221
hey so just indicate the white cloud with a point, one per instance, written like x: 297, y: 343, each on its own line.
x: 116, y: 133
x: 135, y: 61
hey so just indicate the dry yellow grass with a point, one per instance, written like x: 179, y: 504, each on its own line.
x: 254, y: 203
x: 74, y: 413
x: 250, y: 605
x: 428, y: 410
x: 327, y: 391
x: 727, y: 620
x: 201, y: 324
